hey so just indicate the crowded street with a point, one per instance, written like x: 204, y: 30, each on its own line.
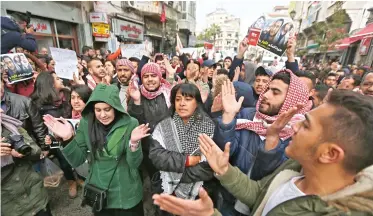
x: 186, y: 108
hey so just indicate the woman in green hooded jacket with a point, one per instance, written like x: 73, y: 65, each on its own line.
x: 110, y: 140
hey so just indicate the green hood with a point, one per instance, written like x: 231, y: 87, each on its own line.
x: 107, y: 94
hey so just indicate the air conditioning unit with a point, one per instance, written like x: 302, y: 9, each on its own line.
x: 128, y: 4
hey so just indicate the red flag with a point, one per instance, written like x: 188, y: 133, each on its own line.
x: 163, y: 14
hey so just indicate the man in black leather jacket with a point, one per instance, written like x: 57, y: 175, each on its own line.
x: 21, y: 108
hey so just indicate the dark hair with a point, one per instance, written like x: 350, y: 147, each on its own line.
x: 321, y: 90
x: 112, y: 62
x: 352, y: 126
x: 191, y: 90
x: 94, y: 59
x: 158, y: 58
x: 86, y: 49
x: 204, y: 57
x: 307, y: 75
x: 283, y: 76
x: 275, y: 57
x: 331, y: 74
x: 44, y: 92
x: 83, y: 91
x: 195, y: 62
x: 228, y: 58
x: 357, y: 79
x: 134, y: 59
x: 222, y: 71
x: 365, y: 76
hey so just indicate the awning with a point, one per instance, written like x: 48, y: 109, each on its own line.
x: 346, y: 42
x: 368, y: 30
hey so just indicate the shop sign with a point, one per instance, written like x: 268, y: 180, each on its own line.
x: 129, y: 30
x: 364, y: 45
x: 41, y: 26
x: 101, y: 30
x: 98, y: 17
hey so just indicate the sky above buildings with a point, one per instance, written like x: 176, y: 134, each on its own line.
x: 248, y: 11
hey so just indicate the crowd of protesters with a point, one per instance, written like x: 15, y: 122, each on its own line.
x: 215, y: 138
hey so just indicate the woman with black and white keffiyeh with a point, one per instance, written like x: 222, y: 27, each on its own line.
x: 174, y: 149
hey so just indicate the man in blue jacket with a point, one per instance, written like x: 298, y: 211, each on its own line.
x: 14, y: 32
x: 258, y: 136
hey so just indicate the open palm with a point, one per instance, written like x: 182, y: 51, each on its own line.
x: 59, y: 127
x: 140, y: 132
x: 217, y: 159
x: 230, y: 104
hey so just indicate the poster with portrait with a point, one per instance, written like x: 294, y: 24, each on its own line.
x: 275, y: 33
x: 364, y: 45
x: 16, y: 66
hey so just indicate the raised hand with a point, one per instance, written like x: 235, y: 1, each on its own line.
x: 135, y: 94
x: 177, y: 206
x: 171, y: 71
x: 140, y: 132
x: 283, y: 119
x: 237, y: 72
x: 217, y: 104
x: 230, y: 105
x: 290, y: 51
x: 242, y: 49
x: 217, y: 159
x: 62, y: 129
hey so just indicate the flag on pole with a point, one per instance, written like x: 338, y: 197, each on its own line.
x: 163, y: 14
x: 178, y: 41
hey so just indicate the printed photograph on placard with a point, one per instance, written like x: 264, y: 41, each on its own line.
x: 275, y: 33
x: 16, y: 66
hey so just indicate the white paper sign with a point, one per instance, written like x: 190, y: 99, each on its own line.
x: 66, y: 62
x: 134, y: 50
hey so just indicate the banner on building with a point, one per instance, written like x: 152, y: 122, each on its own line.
x: 275, y: 33
x: 16, y: 66
x: 101, y: 30
x: 98, y: 17
x: 364, y: 45
x: 135, y: 50
x: 66, y: 62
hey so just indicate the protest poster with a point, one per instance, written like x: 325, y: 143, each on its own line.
x: 275, y: 33
x: 16, y: 66
x: 66, y: 62
x: 134, y: 50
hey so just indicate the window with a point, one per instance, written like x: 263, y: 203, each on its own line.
x: 184, y: 8
x: 229, y: 35
x: 184, y: 16
x: 54, y: 33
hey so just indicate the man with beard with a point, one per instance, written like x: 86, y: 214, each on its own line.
x: 125, y: 70
x: 149, y: 104
x: 367, y: 84
x: 96, y: 73
x: 257, y: 143
x: 158, y: 59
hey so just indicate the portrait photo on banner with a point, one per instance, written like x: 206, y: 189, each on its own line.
x: 16, y: 66
x: 275, y: 33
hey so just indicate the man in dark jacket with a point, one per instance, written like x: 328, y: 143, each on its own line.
x: 257, y: 141
x: 12, y: 34
x: 21, y: 108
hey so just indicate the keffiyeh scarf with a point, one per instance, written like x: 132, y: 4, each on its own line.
x: 297, y: 94
x: 164, y: 88
x: 174, y: 135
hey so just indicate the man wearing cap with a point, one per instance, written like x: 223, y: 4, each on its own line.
x: 208, y: 71
x: 149, y: 104
x: 125, y: 71
x: 257, y: 136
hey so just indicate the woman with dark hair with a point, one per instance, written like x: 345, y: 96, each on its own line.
x: 174, y: 148
x: 109, y: 138
x: 18, y: 63
x: 50, y: 97
x: 79, y: 97
x: 110, y: 68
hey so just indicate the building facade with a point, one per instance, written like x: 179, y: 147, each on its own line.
x: 101, y: 23
x: 309, y: 13
x: 228, y: 39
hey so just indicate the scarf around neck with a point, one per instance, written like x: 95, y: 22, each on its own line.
x: 297, y: 94
x: 12, y: 125
x: 164, y: 88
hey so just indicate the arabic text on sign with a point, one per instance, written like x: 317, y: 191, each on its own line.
x: 130, y: 28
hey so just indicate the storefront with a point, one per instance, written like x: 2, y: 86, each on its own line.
x: 153, y: 33
x: 127, y: 31
x: 56, y: 24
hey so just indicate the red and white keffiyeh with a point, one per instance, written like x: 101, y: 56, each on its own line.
x: 297, y: 94
x: 164, y: 88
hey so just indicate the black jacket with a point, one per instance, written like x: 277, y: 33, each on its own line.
x: 21, y: 108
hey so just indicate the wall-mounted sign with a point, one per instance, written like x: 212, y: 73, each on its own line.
x: 98, y: 17
x: 41, y: 25
x: 101, y: 30
x: 128, y: 30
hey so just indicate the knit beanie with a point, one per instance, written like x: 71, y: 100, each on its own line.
x: 151, y: 68
x: 125, y: 62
